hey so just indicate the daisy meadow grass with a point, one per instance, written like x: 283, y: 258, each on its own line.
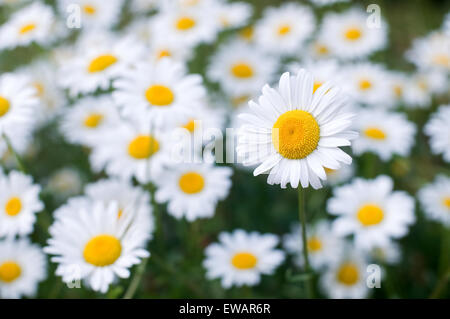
x: 224, y: 149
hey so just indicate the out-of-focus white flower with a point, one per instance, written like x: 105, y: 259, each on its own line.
x: 65, y: 182
x: 438, y: 129
x: 435, y: 199
x: 422, y: 86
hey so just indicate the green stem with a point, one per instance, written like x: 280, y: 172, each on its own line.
x: 15, y: 154
x: 441, y: 285
x: 136, y: 280
x: 302, y: 217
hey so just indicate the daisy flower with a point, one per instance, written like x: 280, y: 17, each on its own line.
x: 383, y: 133
x: 350, y: 37
x: 233, y: 15
x: 283, y: 30
x: 347, y: 278
x: 143, y: 6
x: 422, y: 86
x: 321, y: 3
x: 87, y: 120
x: 193, y: 190
x: 97, y: 63
x: 341, y: 175
x: 323, y: 246
x: 19, y: 203
x: 389, y: 254
x: 371, y: 211
x: 65, y: 182
x: 318, y: 49
x: 397, y: 84
x: 322, y: 70
x: 162, y: 47
x: 33, y: 23
x: 241, y: 69
x: 240, y: 258
x: 431, y: 52
x: 96, y: 246
x: 294, y: 133
x: 435, y: 199
x: 438, y: 130
x: 163, y: 90
x: 22, y: 266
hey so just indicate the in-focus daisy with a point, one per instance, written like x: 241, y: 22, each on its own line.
x: 324, y: 248
x: 163, y: 90
x: 193, y: 190
x: 435, y: 199
x: 383, y: 133
x: 431, y: 52
x: 240, y: 258
x: 33, y: 23
x: 294, y: 134
x: 283, y: 30
x: 372, y: 211
x: 241, y: 69
x: 19, y: 202
x: 438, y: 130
x: 87, y: 120
x: 96, y: 246
x: 349, y: 35
x: 422, y: 86
x: 22, y: 266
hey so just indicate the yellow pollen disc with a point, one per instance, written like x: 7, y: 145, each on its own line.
x: 120, y: 213
x: 9, y: 271
x: 321, y: 49
x: 101, y: 63
x: 163, y: 54
x: 4, y: 106
x: 242, y: 70
x: 244, y: 260
x: 39, y: 89
x: 102, y: 250
x: 190, y: 126
x: 237, y: 101
x: 185, y: 23
x: 348, y: 274
x: 446, y: 201
x: 89, y: 10
x: 246, y: 33
x: 398, y: 91
x: 316, y: 86
x: 295, y: 134
x: 352, y: 34
x: 191, y: 183
x: 93, y: 120
x: 329, y: 171
x: 143, y: 146
x: 374, y: 133
x: 314, y: 244
x: 159, y: 95
x: 442, y: 60
x: 364, y: 85
x: 13, y: 206
x: 370, y: 214
x: 284, y: 29
x: 27, y: 28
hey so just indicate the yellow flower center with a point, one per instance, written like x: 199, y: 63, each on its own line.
x: 238, y: 100
x: 244, y: 260
x: 120, y: 213
x: 364, y: 85
x: 242, y: 70
x: 164, y: 53
x: 159, y: 95
x: 398, y: 91
x: 295, y: 134
x: 191, y: 183
x: 370, y: 214
x: 247, y: 33
x: 27, y: 28
x: 317, y: 85
x: 9, y: 271
x: 89, y: 10
x: 321, y: 49
x: 185, y: 23
x: 374, y: 133
x: 353, y: 34
x: 446, y: 201
x: 441, y: 60
x: 101, y: 63
x: 190, y: 126
x: 143, y: 146
x: 39, y: 89
x: 93, y: 120
x: 314, y: 244
x: 329, y: 171
x: 284, y: 30
x: 348, y: 274
x: 102, y: 250
x: 13, y: 206
x: 4, y: 106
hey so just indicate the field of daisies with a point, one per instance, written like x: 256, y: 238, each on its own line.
x: 224, y: 149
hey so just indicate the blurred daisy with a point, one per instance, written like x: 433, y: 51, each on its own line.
x: 293, y: 134
x: 389, y: 254
x: 141, y: 29
x: 322, y: 70
x: 320, y: 3
x: 143, y: 6
x: 19, y: 203
x: 20, y: 141
x: 233, y: 15
x: 421, y: 87
x: 96, y: 246
x: 318, y: 48
x: 33, y: 23
x: 349, y: 35
x: 371, y: 211
x: 383, y: 133
x: 435, y: 199
x: 65, y: 182
x: 397, y: 83
x: 323, y: 246
x: 240, y: 258
x: 431, y: 52
x: 22, y: 266
x: 241, y: 69
x: 347, y: 278
x: 341, y: 175
x: 163, y: 90
x: 283, y: 30
x: 97, y: 63
x: 438, y: 130
x: 162, y: 47
x: 193, y: 190
x: 87, y: 120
